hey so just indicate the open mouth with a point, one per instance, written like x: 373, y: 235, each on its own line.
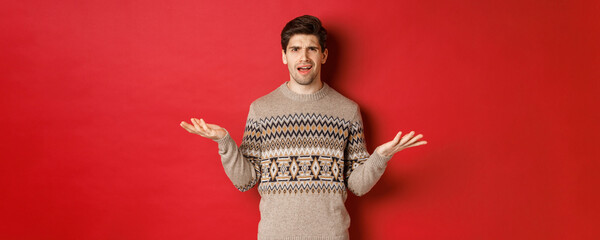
x: 304, y: 68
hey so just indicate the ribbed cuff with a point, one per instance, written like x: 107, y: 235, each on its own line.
x: 378, y: 160
x: 224, y: 143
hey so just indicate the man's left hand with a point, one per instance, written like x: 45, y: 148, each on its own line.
x: 399, y: 143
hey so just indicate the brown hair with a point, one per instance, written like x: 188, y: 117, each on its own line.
x: 304, y: 25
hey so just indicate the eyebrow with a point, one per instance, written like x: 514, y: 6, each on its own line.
x: 310, y: 46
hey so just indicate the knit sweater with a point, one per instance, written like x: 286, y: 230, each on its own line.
x: 304, y: 151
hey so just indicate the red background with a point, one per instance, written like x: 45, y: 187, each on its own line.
x: 92, y: 94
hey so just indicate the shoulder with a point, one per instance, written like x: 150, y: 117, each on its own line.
x: 342, y: 103
x: 265, y: 101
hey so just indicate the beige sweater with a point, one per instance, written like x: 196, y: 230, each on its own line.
x: 304, y: 151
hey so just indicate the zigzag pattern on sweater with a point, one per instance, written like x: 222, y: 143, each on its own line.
x: 356, y: 149
x: 304, y: 134
x: 303, y: 153
x: 251, y: 142
x: 301, y: 187
x: 300, y: 125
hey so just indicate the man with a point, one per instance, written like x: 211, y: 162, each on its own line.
x: 304, y: 144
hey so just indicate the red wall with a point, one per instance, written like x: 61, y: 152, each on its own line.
x: 92, y: 94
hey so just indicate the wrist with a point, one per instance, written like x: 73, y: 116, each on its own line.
x: 383, y: 153
x: 220, y: 135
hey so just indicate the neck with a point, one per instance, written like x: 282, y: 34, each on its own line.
x: 305, y: 89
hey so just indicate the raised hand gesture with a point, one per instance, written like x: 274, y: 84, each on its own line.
x: 203, y: 129
x: 390, y: 148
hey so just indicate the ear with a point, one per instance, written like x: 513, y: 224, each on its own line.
x: 325, y: 53
x: 283, y: 57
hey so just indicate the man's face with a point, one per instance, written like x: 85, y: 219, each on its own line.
x: 304, y: 58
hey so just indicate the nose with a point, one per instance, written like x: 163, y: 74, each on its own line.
x: 304, y: 54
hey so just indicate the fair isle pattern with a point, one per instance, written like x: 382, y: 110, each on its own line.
x: 304, y: 134
x: 356, y: 151
x: 250, y: 148
x: 251, y: 142
x: 303, y: 153
x: 301, y: 187
x: 302, y: 174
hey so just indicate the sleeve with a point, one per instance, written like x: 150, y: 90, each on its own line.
x: 242, y: 165
x: 362, y: 170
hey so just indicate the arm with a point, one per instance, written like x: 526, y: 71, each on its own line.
x: 240, y: 164
x: 364, y: 170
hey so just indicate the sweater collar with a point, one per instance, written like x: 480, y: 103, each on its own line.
x: 304, y: 97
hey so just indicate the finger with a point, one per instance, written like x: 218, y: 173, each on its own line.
x: 209, y: 132
x: 203, y: 124
x: 200, y: 129
x: 413, y: 140
x: 406, y: 138
x: 213, y: 126
x: 397, y: 138
x: 419, y: 143
x: 400, y: 148
x: 193, y: 121
x: 187, y: 127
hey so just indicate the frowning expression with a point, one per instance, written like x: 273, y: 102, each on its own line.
x: 304, y: 57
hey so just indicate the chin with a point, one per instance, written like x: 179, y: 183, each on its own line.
x: 307, y: 81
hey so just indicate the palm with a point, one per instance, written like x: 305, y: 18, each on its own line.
x: 203, y: 129
x: 399, y: 143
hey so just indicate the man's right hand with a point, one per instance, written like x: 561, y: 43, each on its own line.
x: 201, y: 128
